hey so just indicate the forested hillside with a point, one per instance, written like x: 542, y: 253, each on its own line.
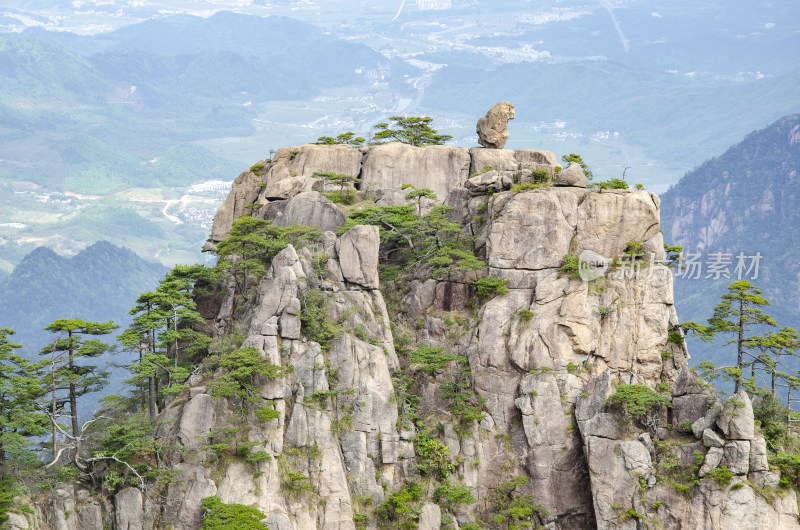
x: 746, y: 200
x: 99, y: 283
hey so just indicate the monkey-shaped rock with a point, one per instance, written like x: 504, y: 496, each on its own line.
x: 492, y: 129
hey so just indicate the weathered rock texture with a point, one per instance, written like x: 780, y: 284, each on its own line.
x: 638, y: 480
x: 492, y: 129
x: 287, y: 193
x: 544, y: 357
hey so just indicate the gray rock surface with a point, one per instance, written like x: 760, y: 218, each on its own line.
x: 737, y: 456
x: 358, y: 255
x: 492, y: 128
x: 310, y: 208
x: 572, y: 176
x: 430, y: 517
x: 736, y: 419
x: 712, y: 439
x: 129, y: 509
x: 493, y: 181
x: 438, y: 167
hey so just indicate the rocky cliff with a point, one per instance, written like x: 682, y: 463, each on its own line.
x: 359, y: 419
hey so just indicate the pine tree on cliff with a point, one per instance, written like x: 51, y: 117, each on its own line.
x: 414, y: 130
x: 736, y: 313
x: 19, y: 389
x: 163, y: 335
x: 65, y: 378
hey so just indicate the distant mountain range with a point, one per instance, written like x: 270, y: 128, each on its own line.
x: 101, y: 283
x: 85, y: 113
x: 747, y: 201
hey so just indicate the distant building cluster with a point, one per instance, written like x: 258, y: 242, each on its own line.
x: 427, y: 5
x: 201, y: 217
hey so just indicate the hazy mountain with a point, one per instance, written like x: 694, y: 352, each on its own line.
x: 100, y: 283
x: 745, y: 200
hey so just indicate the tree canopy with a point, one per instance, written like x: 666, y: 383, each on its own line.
x: 414, y: 130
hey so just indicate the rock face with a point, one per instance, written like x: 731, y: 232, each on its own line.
x: 572, y: 176
x: 536, y: 365
x: 492, y: 129
x: 632, y: 475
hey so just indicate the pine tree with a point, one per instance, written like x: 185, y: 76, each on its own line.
x: 252, y: 243
x: 19, y: 389
x: 162, y: 332
x: 736, y: 313
x: 413, y: 130
x: 64, y: 375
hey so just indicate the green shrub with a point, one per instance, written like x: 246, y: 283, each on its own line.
x: 348, y: 138
x: 411, y: 240
x: 570, y: 265
x: 721, y: 475
x: 525, y: 315
x: 343, y: 197
x: 401, y: 507
x: 789, y: 466
x: 492, y: 286
x: 433, y: 359
x: 573, y: 368
x: 316, y: 323
x: 266, y: 414
x: 258, y: 169
x: 540, y: 176
x: 771, y: 417
x: 239, y: 367
x: 220, y: 516
x: 634, y: 248
x: 612, y: 184
x: 675, y: 338
x: 511, y: 509
x: 452, y: 496
x: 637, y: 400
x: 433, y: 456
x: 526, y: 186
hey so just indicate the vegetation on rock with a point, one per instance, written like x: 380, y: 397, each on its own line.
x: 414, y: 130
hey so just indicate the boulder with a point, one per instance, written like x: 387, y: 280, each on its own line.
x: 688, y: 408
x: 712, y: 439
x: 758, y: 455
x: 290, y: 320
x: 712, y: 460
x: 358, y: 255
x: 16, y: 521
x: 572, y: 176
x: 300, y: 162
x: 310, y: 208
x: 736, y: 455
x: 518, y: 160
x: 492, y: 128
x: 430, y: 517
x: 491, y: 181
x: 397, y: 197
x: 439, y: 167
x: 736, y: 419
